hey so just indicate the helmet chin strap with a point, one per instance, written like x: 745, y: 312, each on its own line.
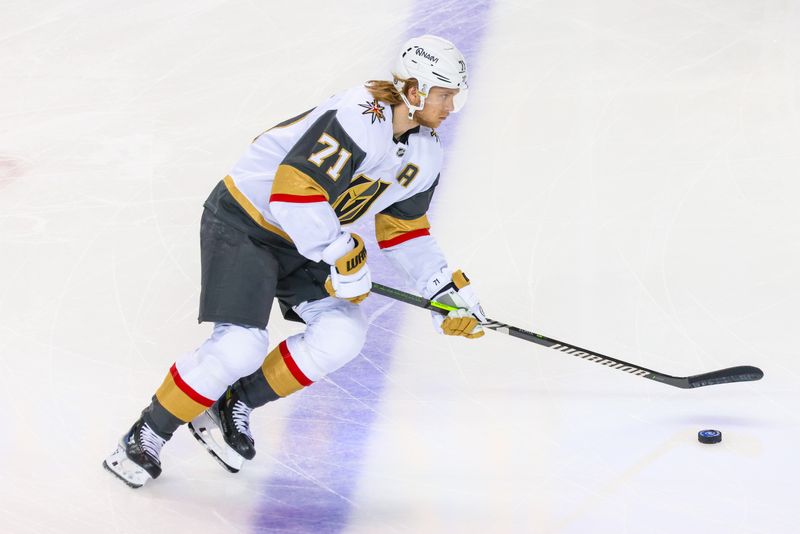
x: 400, y: 85
x: 411, y: 107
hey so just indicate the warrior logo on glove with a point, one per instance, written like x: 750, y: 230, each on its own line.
x: 354, y: 262
x: 350, y: 277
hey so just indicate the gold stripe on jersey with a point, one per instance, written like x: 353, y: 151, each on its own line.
x: 292, y: 181
x: 286, y: 123
x: 388, y: 227
x: 252, y: 211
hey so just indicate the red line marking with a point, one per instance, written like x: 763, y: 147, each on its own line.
x: 187, y: 389
x: 402, y: 238
x: 292, y: 365
x: 298, y: 199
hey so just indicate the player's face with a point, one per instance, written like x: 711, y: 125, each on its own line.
x: 438, y: 105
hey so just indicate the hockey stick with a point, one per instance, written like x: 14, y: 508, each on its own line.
x: 742, y: 373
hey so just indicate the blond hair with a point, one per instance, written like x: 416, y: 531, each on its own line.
x: 386, y: 92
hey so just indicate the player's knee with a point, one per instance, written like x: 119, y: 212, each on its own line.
x: 336, y: 337
x: 241, y: 349
x: 232, y: 351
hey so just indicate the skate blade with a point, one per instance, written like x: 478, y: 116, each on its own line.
x: 124, y: 469
x: 223, y: 454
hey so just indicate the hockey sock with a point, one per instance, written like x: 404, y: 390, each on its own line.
x: 174, y: 404
x: 279, y: 376
x: 160, y: 420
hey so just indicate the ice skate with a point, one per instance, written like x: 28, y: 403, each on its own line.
x: 136, y: 459
x: 224, y: 430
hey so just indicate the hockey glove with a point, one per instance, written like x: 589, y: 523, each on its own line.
x: 455, y: 290
x: 350, y: 278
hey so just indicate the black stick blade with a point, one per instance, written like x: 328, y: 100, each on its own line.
x: 742, y: 373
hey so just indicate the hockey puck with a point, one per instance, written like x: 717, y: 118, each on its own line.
x: 709, y: 436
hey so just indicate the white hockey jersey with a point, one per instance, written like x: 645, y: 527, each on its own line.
x: 335, y: 164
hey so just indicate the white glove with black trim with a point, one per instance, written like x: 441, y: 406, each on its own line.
x: 350, y: 278
x: 453, y: 289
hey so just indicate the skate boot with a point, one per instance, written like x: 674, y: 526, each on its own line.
x: 136, y: 459
x: 224, y: 429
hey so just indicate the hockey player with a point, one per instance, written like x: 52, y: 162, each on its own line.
x: 276, y: 228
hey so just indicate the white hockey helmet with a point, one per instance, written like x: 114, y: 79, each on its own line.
x: 433, y: 62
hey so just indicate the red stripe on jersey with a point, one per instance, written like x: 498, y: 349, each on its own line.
x: 187, y: 389
x: 292, y: 365
x: 402, y: 238
x: 297, y: 199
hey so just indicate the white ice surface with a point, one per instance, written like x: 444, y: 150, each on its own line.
x: 625, y: 177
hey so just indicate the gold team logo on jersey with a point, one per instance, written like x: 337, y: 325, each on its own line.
x: 375, y: 109
x: 357, y: 199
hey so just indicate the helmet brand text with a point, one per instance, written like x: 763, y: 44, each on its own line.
x: 430, y: 57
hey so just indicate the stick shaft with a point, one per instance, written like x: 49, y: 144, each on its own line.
x: 722, y: 376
